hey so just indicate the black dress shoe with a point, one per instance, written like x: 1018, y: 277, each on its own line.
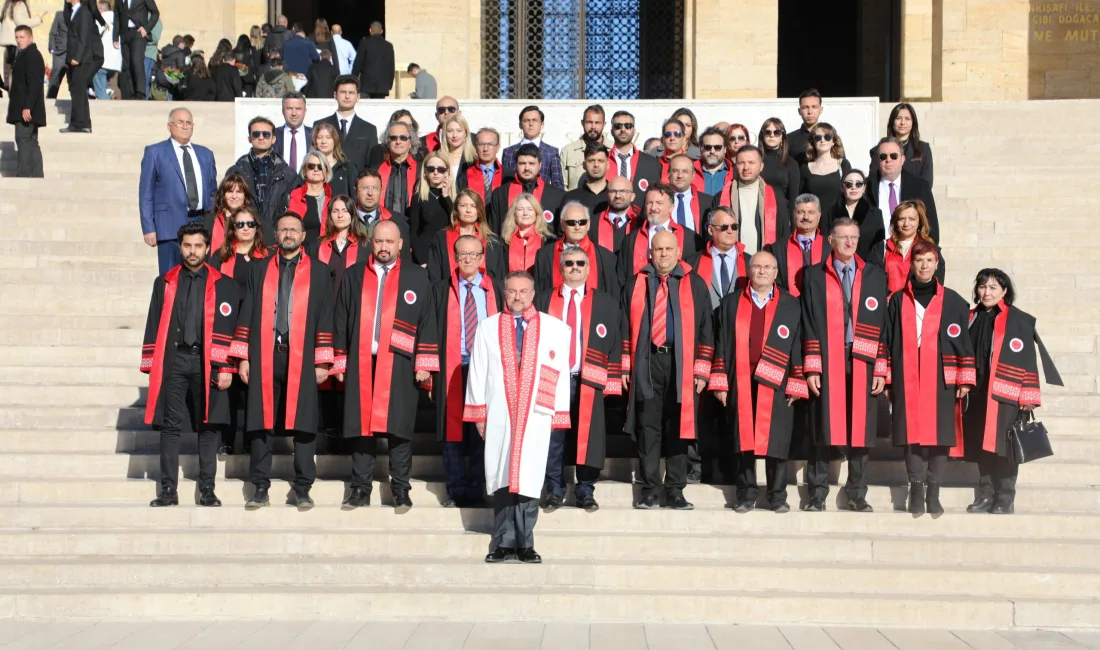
x: 744, y: 506
x: 501, y: 554
x: 1003, y: 509
x: 647, y: 503
x: 258, y: 500
x: 981, y: 504
x: 358, y: 498
x: 933, y: 499
x: 303, y: 501
x: 165, y: 499
x: 208, y: 499
x: 780, y: 508
x: 859, y: 505
x: 528, y: 556
x: 553, y: 502
x: 678, y: 502
x: 815, y: 505
x: 589, y: 504
x: 401, y: 501
x: 916, y: 499
x: 76, y: 129
x: 449, y: 503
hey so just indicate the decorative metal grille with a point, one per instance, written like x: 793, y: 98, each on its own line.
x: 612, y: 56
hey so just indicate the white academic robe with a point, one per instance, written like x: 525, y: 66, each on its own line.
x: 517, y: 429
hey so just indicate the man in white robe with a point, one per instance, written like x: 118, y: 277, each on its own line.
x: 517, y: 391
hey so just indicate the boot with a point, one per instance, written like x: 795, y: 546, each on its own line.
x: 934, y: 506
x: 916, y: 498
x: 981, y: 504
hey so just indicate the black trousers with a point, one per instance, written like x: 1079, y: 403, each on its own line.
x: 29, y: 154
x: 925, y: 464
x: 658, y: 430
x: 305, y: 443
x: 775, y: 470
x: 817, y: 472
x: 364, y: 451
x: 185, y: 385
x: 131, y: 81
x: 514, y: 517
x: 556, y: 463
x: 997, y: 477
x: 80, y: 80
x: 59, y: 69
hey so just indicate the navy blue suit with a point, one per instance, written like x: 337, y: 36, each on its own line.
x: 162, y: 196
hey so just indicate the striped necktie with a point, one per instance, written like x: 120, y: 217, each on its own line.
x: 469, y: 318
x: 660, y: 313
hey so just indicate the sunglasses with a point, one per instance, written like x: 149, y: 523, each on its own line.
x: 432, y: 169
x: 673, y: 134
x: 622, y: 125
x: 713, y: 147
x: 738, y: 137
x: 580, y: 264
x: 891, y: 156
x: 401, y: 138
x: 724, y: 227
x: 446, y: 109
x: 260, y: 135
x: 314, y: 166
x: 773, y: 133
x: 573, y: 223
x: 852, y: 184
x: 244, y: 224
x: 827, y: 137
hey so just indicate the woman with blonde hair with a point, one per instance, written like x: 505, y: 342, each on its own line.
x: 326, y: 139
x: 457, y: 146
x: 467, y: 218
x: 825, y: 166
x: 524, y: 231
x: 908, y: 225
x: 431, y: 205
x: 310, y: 201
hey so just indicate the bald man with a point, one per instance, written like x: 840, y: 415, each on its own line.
x: 345, y: 51
x: 618, y: 218
x: 445, y: 109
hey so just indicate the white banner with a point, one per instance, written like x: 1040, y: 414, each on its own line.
x: 856, y: 119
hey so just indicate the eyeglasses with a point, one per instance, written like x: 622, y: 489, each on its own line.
x: 432, y: 169
x: 738, y: 138
x: 573, y: 223
x: 244, y: 224
x: 445, y: 109
x: 181, y: 124
x: 580, y: 264
x: 891, y: 156
x: 396, y: 138
x: 763, y: 267
x: 724, y: 227
x: 260, y: 135
x: 773, y: 133
x: 468, y: 256
x: 619, y: 191
x: 371, y: 188
x: 622, y: 125
x: 851, y: 184
x: 314, y: 166
x: 673, y: 134
x: 713, y: 147
x: 289, y: 231
x: 846, y: 238
x: 486, y: 144
x: 827, y: 137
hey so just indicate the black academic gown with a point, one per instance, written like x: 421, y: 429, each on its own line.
x: 548, y: 266
x: 789, y: 260
x: 158, y: 350
x: 310, y: 332
x: 548, y: 196
x: 702, y: 263
x: 872, y: 230
x: 441, y: 262
x: 927, y: 418
x: 600, y: 373
x: 426, y: 218
x: 634, y: 251
x: 760, y: 420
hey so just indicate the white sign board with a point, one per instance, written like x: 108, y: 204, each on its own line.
x: 856, y: 119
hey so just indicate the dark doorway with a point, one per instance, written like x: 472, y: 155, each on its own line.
x: 355, y: 16
x: 844, y: 48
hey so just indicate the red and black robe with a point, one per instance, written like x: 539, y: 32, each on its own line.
x: 470, y: 176
x: 898, y: 266
x: 602, y: 274
x: 548, y: 196
x: 296, y: 203
x: 788, y: 260
x: 601, y: 369
x: 383, y: 399
x: 236, y: 267
x: 698, y: 183
x: 693, y: 327
x: 923, y: 380
x: 522, y: 249
x: 832, y: 422
x: 703, y: 265
x: 633, y: 255
x: 448, y: 389
x: 441, y: 256
x: 310, y: 343
x: 758, y: 361
x: 216, y: 224
x: 159, y: 347
x: 773, y: 222
x: 412, y: 175
x: 605, y: 233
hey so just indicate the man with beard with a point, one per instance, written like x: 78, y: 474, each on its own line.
x: 574, y: 154
x: 713, y: 167
x: 518, y: 391
x: 627, y: 161
x: 384, y: 345
x: 761, y: 212
x: 191, y: 318
x: 284, y: 333
x: 526, y: 181
x: 619, y: 218
x: 634, y: 251
x: 595, y: 357
x: 600, y: 265
x: 592, y: 192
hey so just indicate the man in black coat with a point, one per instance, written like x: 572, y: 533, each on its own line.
x: 134, y: 20
x: 85, y: 53
x: 885, y: 180
x: 26, y: 104
x: 321, y: 78
x: 374, y: 64
x: 356, y: 134
x: 268, y: 177
x: 58, y: 41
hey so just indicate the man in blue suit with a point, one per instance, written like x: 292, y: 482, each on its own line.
x: 178, y: 182
x: 531, y: 119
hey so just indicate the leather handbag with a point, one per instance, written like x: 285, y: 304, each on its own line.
x: 1028, y: 440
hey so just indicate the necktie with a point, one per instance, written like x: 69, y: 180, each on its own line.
x: 487, y: 172
x: 893, y: 198
x: 660, y: 313
x: 571, y: 321
x: 681, y: 213
x: 846, y: 282
x: 725, y: 275
x: 282, y: 309
x: 807, y: 247
x: 343, y: 129
x: 521, y: 325
x: 378, y: 304
x: 192, y: 324
x: 469, y: 318
x: 624, y: 165
x: 189, y: 179
x: 293, y: 149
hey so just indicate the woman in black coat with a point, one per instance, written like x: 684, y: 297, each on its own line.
x: 855, y: 205
x: 430, y: 211
x: 780, y: 166
x: 200, y: 87
x: 248, y: 55
x: 227, y: 79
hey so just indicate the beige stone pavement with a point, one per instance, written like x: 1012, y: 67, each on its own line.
x: 332, y: 635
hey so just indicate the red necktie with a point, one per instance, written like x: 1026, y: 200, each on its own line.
x: 571, y: 320
x: 660, y: 309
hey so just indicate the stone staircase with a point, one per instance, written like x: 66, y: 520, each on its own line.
x: 77, y: 467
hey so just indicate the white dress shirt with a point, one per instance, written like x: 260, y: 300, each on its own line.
x: 748, y: 200
x: 653, y: 230
x: 884, y: 201
x: 619, y: 162
x: 178, y: 148
x: 919, y: 312
x: 689, y: 217
x: 378, y: 270
x: 731, y: 265
x: 130, y: 5
x: 572, y: 296
x: 303, y: 147
x: 761, y: 301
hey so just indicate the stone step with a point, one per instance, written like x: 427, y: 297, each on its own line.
x: 104, y: 262
x: 114, y: 356
x: 75, y: 376
x: 69, y: 325
x: 131, y: 337
x: 84, y: 278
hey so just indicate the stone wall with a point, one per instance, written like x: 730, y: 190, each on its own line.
x: 1064, y: 50
x: 732, y: 48
x: 444, y: 37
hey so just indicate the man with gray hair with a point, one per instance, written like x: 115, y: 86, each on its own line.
x: 804, y: 248
x: 487, y: 173
x: 399, y: 169
x: 600, y: 273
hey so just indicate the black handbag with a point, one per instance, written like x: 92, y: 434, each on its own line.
x: 1028, y: 439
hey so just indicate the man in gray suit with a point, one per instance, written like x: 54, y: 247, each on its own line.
x: 425, y: 83
x: 59, y: 35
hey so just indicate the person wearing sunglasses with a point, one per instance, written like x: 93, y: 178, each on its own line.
x: 531, y: 119
x: 825, y: 165
x: 400, y: 169
x: 573, y: 154
x: 446, y: 108
x: 737, y: 136
x: 528, y: 179
x: 379, y: 149
x: 467, y: 218
x: 809, y: 109
x: 576, y: 220
x: 855, y: 205
x: 780, y: 167
x: 888, y: 185
x: 232, y: 196
x: 625, y: 159
x: 357, y: 135
x: 327, y: 141
x: 311, y: 199
x: 691, y: 131
x: 902, y: 125
x: 431, y: 205
x: 595, y: 352
x: 524, y: 232
x: 269, y: 179
x: 713, y: 167
x: 672, y: 144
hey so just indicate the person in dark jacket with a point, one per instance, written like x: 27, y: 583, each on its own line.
x: 227, y: 79
x: 246, y: 53
x: 26, y: 103
x: 276, y: 36
x: 321, y: 78
x: 374, y: 64
x: 59, y: 34
x: 200, y: 87
x: 84, y: 51
x: 298, y: 52
x: 269, y: 179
